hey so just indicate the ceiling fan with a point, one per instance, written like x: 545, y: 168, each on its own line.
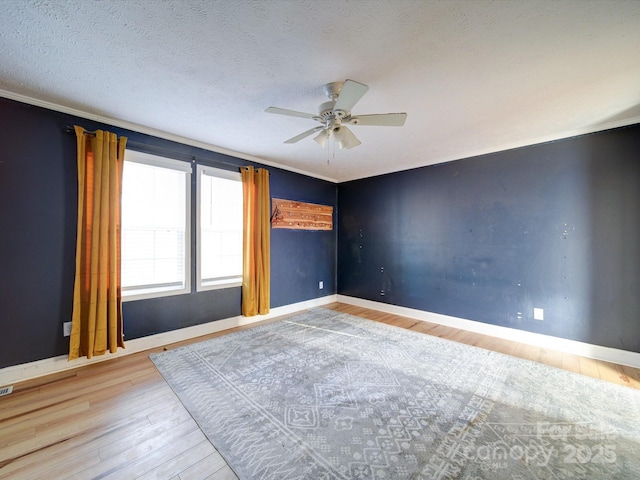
x: 335, y: 115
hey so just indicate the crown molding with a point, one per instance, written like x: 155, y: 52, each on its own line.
x: 154, y: 132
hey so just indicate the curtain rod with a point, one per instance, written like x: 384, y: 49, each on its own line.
x: 70, y: 129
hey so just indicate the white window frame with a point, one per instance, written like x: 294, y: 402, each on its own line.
x: 182, y: 166
x: 221, y: 282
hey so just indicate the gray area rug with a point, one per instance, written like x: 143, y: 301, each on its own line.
x: 325, y: 395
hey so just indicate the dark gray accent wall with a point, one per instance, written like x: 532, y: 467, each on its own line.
x: 554, y: 226
x: 38, y: 215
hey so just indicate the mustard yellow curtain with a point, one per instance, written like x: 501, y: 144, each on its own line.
x: 97, y: 308
x: 256, y: 275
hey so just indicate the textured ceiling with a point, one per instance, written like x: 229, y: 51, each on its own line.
x: 473, y: 76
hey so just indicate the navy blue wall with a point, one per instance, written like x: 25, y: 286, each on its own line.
x: 38, y: 202
x: 303, y: 258
x: 554, y: 226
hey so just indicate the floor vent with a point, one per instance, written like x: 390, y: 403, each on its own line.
x: 6, y: 390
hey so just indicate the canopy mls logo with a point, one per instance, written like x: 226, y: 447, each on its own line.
x: 498, y: 455
x: 539, y: 445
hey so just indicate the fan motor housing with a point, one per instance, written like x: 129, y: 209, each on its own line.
x: 327, y: 112
x: 325, y: 109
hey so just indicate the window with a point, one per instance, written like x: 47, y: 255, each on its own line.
x: 156, y: 200
x: 219, y: 234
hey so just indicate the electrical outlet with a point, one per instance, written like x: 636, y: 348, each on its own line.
x: 320, y: 284
x: 66, y: 329
x: 538, y: 314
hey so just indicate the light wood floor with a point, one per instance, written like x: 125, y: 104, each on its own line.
x: 119, y: 420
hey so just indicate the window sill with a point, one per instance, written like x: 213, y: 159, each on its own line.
x: 218, y: 286
x: 147, y: 293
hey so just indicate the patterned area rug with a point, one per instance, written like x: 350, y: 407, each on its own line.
x: 325, y: 395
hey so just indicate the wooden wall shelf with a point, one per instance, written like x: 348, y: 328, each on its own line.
x: 300, y: 215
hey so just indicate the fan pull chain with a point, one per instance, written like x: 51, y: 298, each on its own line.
x: 334, y: 149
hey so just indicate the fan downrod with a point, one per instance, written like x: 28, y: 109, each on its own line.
x: 326, y: 113
x: 333, y: 89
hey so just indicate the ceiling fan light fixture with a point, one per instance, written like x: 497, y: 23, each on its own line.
x: 321, y: 138
x: 345, y: 138
x: 339, y: 137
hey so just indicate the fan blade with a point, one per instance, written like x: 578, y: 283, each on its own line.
x: 291, y: 113
x: 297, y: 138
x: 381, y: 119
x: 346, y: 138
x: 349, y: 95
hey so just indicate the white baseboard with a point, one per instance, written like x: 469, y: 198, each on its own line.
x: 27, y: 371
x: 613, y: 355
